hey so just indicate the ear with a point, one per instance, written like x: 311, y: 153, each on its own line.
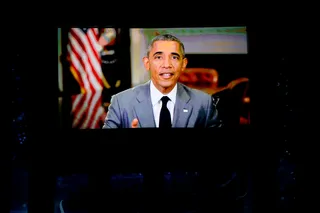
x: 146, y: 63
x: 184, y: 63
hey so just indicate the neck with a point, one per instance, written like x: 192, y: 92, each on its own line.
x: 164, y: 90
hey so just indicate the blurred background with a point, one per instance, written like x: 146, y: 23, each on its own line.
x: 96, y: 63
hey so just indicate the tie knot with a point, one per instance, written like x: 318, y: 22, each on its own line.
x: 165, y: 100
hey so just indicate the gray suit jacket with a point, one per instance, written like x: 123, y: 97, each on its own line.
x: 193, y: 109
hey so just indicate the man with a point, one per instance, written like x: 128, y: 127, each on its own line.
x: 141, y: 106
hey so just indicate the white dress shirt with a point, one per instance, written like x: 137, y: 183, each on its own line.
x: 156, y: 96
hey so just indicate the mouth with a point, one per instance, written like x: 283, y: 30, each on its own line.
x: 166, y: 75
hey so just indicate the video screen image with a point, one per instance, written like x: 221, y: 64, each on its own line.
x: 96, y: 63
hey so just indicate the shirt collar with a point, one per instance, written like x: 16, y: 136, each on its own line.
x: 156, y: 95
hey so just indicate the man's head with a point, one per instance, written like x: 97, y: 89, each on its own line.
x: 165, y: 60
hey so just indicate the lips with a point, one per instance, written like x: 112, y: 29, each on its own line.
x: 166, y: 75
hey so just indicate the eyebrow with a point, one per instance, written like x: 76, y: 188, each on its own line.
x: 173, y: 53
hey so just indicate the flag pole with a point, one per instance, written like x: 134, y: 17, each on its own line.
x: 105, y: 82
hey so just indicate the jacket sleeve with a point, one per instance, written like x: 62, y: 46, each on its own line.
x: 212, y: 118
x: 113, y: 118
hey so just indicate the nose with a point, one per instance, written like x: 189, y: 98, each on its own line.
x: 167, y: 62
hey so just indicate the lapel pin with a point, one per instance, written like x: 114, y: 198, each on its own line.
x: 185, y: 110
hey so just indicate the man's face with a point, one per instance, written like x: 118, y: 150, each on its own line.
x: 165, y: 62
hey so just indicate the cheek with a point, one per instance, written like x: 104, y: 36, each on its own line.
x: 154, y: 72
x: 179, y: 67
x: 155, y: 67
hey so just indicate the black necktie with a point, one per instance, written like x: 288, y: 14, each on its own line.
x: 165, y: 118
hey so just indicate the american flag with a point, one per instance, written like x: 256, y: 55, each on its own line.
x: 87, y: 110
x: 85, y: 65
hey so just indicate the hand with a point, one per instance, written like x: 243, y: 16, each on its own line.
x: 134, y: 123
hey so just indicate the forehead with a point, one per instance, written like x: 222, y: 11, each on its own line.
x: 166, y: 47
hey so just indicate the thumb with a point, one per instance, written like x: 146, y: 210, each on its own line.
x: 134, y: 123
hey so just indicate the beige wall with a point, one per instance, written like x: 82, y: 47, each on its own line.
x: 138, y: 49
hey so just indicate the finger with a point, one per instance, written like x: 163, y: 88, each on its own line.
x: 134, y: 123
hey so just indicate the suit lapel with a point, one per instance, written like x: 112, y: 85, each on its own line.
x: 182, y: 109
x: 143, y: 107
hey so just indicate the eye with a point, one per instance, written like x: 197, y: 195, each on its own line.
x: 158, y: 57
x: 175, y: 57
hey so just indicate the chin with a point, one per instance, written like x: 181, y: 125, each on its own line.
x: 167, y: 85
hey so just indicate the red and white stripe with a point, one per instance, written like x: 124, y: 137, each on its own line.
x: 87, y: 110
x: 85, y: 65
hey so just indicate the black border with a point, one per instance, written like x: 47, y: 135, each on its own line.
x: 45, y: 141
